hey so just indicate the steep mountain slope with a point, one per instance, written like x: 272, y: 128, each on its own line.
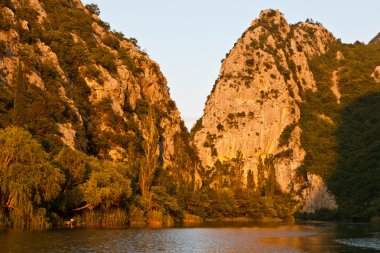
x: 100, y: 83
x: 254, y: 105
x: 341, y: 140
x: 91, y: 72
x: 71, y: 81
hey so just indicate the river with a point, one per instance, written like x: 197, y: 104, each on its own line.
x: 226, y: 237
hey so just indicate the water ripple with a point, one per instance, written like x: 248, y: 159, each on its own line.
x: 365, y: 243
x: 256, y: 239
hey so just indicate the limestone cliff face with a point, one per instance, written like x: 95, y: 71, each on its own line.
x: 375, y: 40
x: 101, y: 82
x: 376, y: 72
x: 253, y: 107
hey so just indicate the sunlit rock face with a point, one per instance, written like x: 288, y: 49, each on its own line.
x: 253, y: 107
x: 375, y: 40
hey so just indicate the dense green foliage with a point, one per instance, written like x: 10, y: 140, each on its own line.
x: 28, y: 181
x: 224, y: 195
x: 356, y: 179
x: 285, y: 135
x: 342, y: 140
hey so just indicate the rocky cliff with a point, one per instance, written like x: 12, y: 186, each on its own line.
x: 375, y: 40
x: 83, y: 85
x: 254, y: 105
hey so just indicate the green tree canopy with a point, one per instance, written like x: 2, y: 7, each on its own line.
x: 27, y: 179
x: 107, y: 186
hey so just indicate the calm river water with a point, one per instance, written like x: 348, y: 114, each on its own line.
x: 302, y: 237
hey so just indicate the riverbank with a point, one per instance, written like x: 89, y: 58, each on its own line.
x: 157, y: 220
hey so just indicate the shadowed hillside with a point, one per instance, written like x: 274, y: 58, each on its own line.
x: 355, y: 182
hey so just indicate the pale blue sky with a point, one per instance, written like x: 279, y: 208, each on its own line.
x: 189, y: 38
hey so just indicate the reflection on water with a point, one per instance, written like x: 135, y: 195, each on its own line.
x: 307, y: 237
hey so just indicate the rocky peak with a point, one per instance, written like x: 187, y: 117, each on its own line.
x: 272, y: 20
x: 253, y: 107
x: 275, y: 15
x: 272, y: 17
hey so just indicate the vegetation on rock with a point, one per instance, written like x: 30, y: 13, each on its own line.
x: 344, y: 150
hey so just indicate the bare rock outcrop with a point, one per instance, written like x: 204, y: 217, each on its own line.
x: 335, y: 86
x: 375, y: 40
x: 376, y: 74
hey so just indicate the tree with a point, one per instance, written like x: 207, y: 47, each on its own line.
x: 260, y: 176
x: 250, y: 180
x: 134, y: 42
x: 184, y: 160
x: 107, y: 186
x: 236, y: 172
x: 75, y: 166
x: 19, y: 113
x: 93, y: 8
x: 27, y: 179
x: 149, y: 162
x: 272, y: 180
x: 163, y: 201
